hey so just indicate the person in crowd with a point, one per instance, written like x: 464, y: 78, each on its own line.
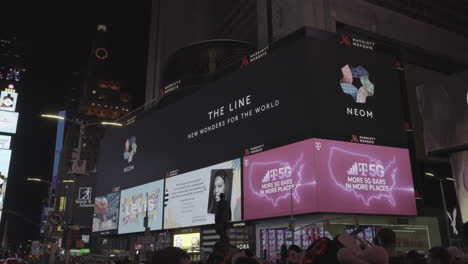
x: 246, y: 260
x: 294, y: 255
x: 413, y: 257
x: 386, y: 238
x: 283, y: 254
x: 457, y: 256
x: 170, y: 255
x: 439, y: 255
x: 222, y: 217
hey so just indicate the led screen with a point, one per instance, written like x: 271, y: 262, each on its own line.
x: 188, y: 242
x: 443, y: 106
x: 106, y: 212
x: 192, y: 197
x: 275, y: 178
x: 8, y: 101
x: 134, y: 204
x: 359, y: 178
x: 8, y: 121
x: 459, y: 162
x: 5, y: 156
x: 5, y: 142
x: 328, y: 176
x: 348, y: 96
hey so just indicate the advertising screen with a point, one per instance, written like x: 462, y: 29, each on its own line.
x: 359, y: 178
x: 188, y: 242
x: 192, y: 197
x: 8, y: 121
x: 8, y: 101
x: 5, y: 142
x: 134, y: 203
x: 444, y: 110
x: 459, y: 162
x: 348, y: 96
x: 274, y: 178
x: 106, y: 212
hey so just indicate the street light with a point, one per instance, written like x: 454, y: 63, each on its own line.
x: 103, y: 123
x: 82, y: 125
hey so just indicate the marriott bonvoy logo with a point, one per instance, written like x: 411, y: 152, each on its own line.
x: 352, y: 78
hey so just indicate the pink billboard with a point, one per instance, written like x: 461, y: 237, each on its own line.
x: 280, y: 180
x: 328, y: 176
x: 360, y: 178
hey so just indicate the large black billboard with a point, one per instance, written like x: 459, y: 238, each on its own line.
x: 304, y: 88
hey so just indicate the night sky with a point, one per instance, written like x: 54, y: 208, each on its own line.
x: 58, y: 39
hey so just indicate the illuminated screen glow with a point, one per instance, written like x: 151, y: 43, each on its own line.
x: 8, y: 101
x: 192, y: 197
x: 133, y: 205
x: 318, y: 175
x: 106, y: 212
x: 5, y: 142
x: 8, y: 122
x: 188, y: 242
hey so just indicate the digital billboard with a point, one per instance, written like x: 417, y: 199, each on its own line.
x: 5, y: 156
x: 5, y: 142
x: 459, y: 162
x: 275, y: 178
x: 191, y: 197
x: 360, y: 178
x: 106, y: 212
x: 189, y: 242
x: 136, y: 202
x: 8, y: 101
x: 318, y: 175
x: 348, y: 96
x: 8, y: 122
x: 443, y: 106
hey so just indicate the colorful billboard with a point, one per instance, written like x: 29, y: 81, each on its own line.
x: 282, y: 179
x: 189, y: 242
x: 136, y: 202
x: 318, y: 175
x: 106, y: 212
x: 191, y: 198
x: 8, y: 101
x: 359, y: 178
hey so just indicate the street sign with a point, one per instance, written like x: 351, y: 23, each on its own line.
x: 55, y: 218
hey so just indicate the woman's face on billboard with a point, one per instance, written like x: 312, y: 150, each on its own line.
x: 219, y: 187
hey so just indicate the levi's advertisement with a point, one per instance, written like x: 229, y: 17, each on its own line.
x: 318, y: 175
x: 273, y: 178
x: 358, y: 178
x: 191, y: 198
x: 136, y: 202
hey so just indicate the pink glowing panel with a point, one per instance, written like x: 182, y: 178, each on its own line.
x: 275, y: 178
x: 358, y: 178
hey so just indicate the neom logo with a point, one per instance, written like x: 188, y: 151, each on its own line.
x: 353, y: 77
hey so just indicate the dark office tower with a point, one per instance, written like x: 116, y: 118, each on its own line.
x: 104, y: 96
x: 210, y: 36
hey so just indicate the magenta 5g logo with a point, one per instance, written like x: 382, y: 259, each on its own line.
x: 366, y: 169
x: 277, y: 174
